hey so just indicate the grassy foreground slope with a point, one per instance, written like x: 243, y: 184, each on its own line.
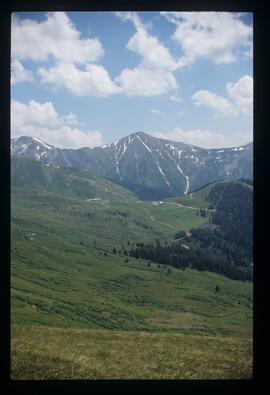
x: 54, y: 353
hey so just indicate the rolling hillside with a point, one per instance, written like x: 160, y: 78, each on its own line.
x: 71, y: 182
x: 70, y: 271
x: 60, y: 239
x: 63, y: 277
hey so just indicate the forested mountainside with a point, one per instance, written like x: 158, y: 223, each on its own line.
x: 224, y: 246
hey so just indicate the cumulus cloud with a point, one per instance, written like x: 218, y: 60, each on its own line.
x: 92, y: 80
x: 71, y: 119
x: 56, y: 36
x: 153, y: 53
x: 241, y: 93
x: 218, y: 36
x: 141, y: 81
x: 152, y: 76
x: 75, y: 65
x: 130, y: 16
x: 205, y: 138
x: 19, y: 73
x: 41, y: 120
x: 240, y: 98
x: 214, y: 101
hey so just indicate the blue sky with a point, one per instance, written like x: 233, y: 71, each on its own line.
x: 90, y: 78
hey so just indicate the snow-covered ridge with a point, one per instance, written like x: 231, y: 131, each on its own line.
x: 168, y: 143
x: 237, y: 149
x: 42, y: 143
x: 148, y: 149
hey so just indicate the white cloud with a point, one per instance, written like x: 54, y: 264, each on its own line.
x: 249, y: 52
x: 39, y: 114
x: 205, y: 138
x: 93, y: 80
x: 175, y: 98
x: 152, y: 76
x: 217, y: 36
x: 130, y: 16
x: 55, y: 36
x: 154, y: 54
x: 73, y: 69
x: 42, y: 121
x: 241, y: 92
x: 214, y: 101
x: 141, y: 81
x: 156, y: 111
x: 240, y: 98
x: 71, y: 119
x: 19, y: 73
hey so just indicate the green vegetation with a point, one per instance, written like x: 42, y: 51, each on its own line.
x: 62, y: 277
x: 224, y: 245
x: 71, y: 182
x: 234, y: 216
x: 199, y: 198
x: 80, y: 305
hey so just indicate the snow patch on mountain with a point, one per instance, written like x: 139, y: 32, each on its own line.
x: 144, y: 144
x: 122, y: 160
x: 181, y: 171
x: 42, y: 143
x: 186, y: 178
x: 161, y: 171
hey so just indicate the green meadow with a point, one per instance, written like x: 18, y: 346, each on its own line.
x: 81, y: 306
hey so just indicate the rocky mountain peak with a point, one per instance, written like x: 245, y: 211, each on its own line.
x: 153, y: 168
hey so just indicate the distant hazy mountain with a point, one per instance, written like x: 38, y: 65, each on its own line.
x: 153, y: 168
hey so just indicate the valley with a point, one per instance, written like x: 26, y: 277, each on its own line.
x: 72, y: 273
x: 58, y: 273
x: 128, y: 139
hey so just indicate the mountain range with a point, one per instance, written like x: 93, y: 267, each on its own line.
x: 153, y: 168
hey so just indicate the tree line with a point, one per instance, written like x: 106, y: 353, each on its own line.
x: 225, y: 246
x: 177, y: 255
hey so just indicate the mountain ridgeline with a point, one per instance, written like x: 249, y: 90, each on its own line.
x: 153, y: 168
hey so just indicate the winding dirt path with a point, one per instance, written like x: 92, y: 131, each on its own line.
x: 191, y: 207
x: 155, y: 220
